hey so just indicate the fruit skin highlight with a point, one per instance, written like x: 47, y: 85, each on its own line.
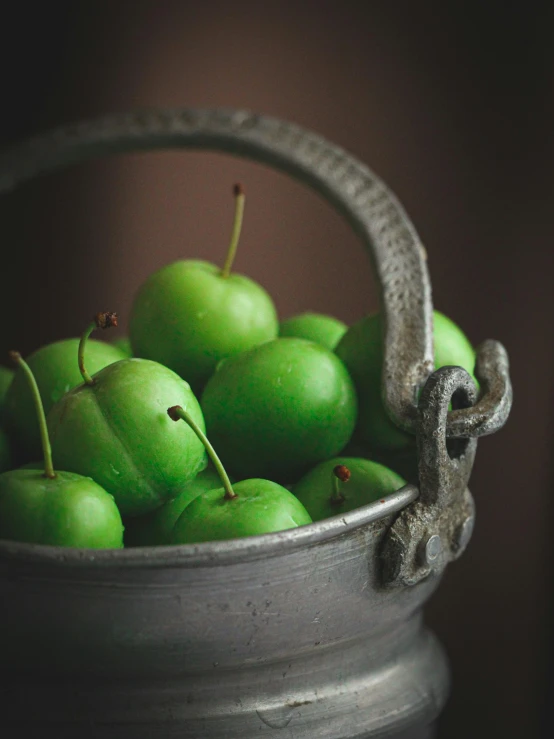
x: 56, y: 371
x: 248, y: 508
x: 124, y: 344
x: 318, y: 327
x: 114, y: 428
x: 155, y: 528
x: 45, y: 506
x: 280, y: 408
x: 69, y: 511
x: 361, y: 350
x: 368, y: 481
x: 117, y: 432
x: 261, y: 507
x: 191, y: 314
x: 207, y: 318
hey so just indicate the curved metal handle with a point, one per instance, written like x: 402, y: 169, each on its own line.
x: 492, y: 369
x: 445, y: 506
x: 368, y: 205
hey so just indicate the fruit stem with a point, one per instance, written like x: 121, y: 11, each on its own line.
x: 101, y: 320
x: 176, y: 412
x: 44, y: 438
x: 238, y: 192
x: 341, y: 473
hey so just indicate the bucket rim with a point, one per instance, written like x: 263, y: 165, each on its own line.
x: 218, y: 553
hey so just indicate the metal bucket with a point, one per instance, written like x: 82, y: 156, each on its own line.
x: 311, y: 632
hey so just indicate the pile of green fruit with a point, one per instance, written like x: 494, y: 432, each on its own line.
x: 293, y: 410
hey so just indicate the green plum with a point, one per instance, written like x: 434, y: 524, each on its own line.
x: 114, y: 428
x: 261, y: 507
x: 124, y: 343
x: 191, y: 314
x: 344, y: 483
x: 325, y: 330
x: 155, y: 528
x: 69, y: 510
x: 56, y: 371
x: 248, y: 508
x: 361, y: 350
x: 452, y: 347
x: 279, y: 408
x: 53, y: 507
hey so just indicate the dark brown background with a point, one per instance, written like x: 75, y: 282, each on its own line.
x: 451, y: 105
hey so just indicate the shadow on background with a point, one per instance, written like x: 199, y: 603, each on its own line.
x: 451, y: 108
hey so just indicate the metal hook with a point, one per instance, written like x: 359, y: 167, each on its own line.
x: 436, y: 528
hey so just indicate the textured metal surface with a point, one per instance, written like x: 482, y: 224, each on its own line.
x: 295, y: 634
x: 211, y: 553
x: 492, y: 370
x: 304, y: 639
x: 437, y: 527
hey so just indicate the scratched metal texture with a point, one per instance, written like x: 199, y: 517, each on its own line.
x: 312, y: 632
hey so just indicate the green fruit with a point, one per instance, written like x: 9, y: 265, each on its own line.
x: 56, y: 370
x: 124, y: 344
x: 279, y: 408
x: 452, y: 347
x: 260, y: 507
x: 191, y: 314
x: 323, y: 495
x: 188, y: 317
x: 361, y: 350
x: 325, y: 330
x: 56, y: 508
x: 248, y: 508
x: 68, y: 510
x: 116, y: 430
x: 155, y: 528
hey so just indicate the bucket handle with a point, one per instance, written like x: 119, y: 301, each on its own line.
x: 399, y: 259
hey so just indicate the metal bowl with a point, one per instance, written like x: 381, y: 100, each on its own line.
x: 311, y: 632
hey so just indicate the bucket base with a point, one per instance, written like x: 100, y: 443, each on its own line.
x: 344, y: 694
